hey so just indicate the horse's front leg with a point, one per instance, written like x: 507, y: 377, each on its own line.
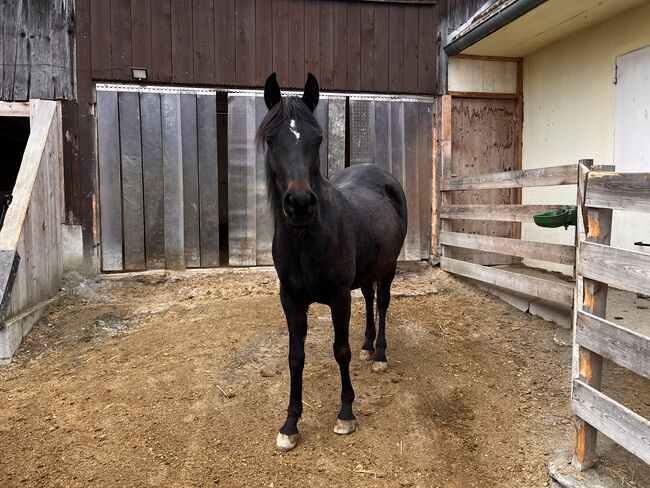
x: 296, y: 314
x: 345, y: 422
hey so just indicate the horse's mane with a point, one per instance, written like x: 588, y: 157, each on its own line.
x: 288, y: 108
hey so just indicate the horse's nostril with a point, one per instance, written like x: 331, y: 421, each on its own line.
x: 288, y: 203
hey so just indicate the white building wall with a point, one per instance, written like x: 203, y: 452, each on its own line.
x: 569, y: 100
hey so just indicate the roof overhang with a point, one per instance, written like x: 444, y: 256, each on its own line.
x: 519, y: 27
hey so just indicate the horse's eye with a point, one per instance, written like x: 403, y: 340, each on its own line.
x: 269, y: 141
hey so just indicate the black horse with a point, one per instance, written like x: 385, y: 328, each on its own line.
x: 331, y: 236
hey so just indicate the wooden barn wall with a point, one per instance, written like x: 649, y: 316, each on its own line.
x: 349, y: 46
x: 36, y: 49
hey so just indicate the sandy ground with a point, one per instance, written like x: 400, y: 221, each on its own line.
x: 182, y: 380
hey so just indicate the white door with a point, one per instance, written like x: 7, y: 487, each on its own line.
x: 632, y: 140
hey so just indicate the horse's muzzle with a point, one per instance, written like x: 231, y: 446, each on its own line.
x: 300, y: 207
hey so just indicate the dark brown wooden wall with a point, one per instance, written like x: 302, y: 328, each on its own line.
x: 36, y: 49
x: 349, y: 46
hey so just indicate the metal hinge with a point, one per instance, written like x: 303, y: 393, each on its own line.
x: 615, y: 75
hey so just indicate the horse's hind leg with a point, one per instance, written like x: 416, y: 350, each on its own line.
x: 368, y: 348
x: 383, y: 300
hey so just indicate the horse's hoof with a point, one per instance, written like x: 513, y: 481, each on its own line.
x: 365, y: 355
x: 344, y: 427
x: 379, y: 366
x: 286, y: 442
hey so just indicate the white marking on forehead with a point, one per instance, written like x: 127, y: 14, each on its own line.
x: 292, y: 128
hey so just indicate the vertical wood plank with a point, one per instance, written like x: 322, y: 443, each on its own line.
x: 120, y: 39
x: 354, y: 46
x: 182, y: 49
x: 382, y: 134
x: 40, y: 74
x: 340, y: 39
x: 83, y: 61
x: 203, y: 41
x: 425, y: 174
x: 426, y: 49
x: 263, y: 217
x: 263, y: 40
x: 224, y: 39
x: 411, y: 181
x: 396, y: 50
x: 445, y: 160
x: 594, y: 301
x: 110, y: 189
x: 21, y: 71
x: 245, y: 41
x: 141, y: 34
x: 208, y: 179
x: 397, y: 154
x: 190, y: 181
x: 366, y: 49
x: 326, y: 45
x: 153, y: 179
x: 297, y: 44
x: 322, y: 116
x: 241, y: 180
x: 161, y: 41
x: 312, y: 39
x: 411, y: 39
x: 336, y: 136
x: 100, y: 40
x: 380, y: 72
x: 281, y: 41
x: 170, y: 105
x: 132, y: 202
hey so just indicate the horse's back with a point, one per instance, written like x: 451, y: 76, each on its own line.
x: 371, y: 184
x: 379, y: 216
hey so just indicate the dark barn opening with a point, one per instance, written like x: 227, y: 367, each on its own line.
x: 14, y: 133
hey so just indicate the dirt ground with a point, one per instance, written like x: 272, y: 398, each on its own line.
x: 182, y: 380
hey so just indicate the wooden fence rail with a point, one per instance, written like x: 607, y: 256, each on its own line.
x: 554, y: 291
x: 30, y: 239
x: 600, y: 266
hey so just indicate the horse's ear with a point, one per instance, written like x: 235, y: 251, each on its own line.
x: 272, y: 93
x: 310, y: 96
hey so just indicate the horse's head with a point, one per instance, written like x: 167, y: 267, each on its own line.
x: 292, y: 138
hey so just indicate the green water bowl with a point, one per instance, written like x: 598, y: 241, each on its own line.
x: 561, y: 217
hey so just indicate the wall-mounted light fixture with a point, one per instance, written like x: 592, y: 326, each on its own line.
x: 139, y: 74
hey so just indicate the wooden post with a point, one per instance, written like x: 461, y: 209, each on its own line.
x: 599, y: 225
x: 445, y: 162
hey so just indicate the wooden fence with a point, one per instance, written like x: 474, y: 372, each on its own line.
x: 31, y: 265
x: 553, y: 291
x: 600, y: 265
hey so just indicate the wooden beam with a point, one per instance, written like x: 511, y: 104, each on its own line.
x: 14, y: 109
x: 445, y: 162
x: 629, y: 270
x: 624, y: 191
x: 488, y: 95
x: 555, y: 175
x: 500, y: 212
x: 556, y: 253
x: 616, y: 421
x: 590, y: 363
x: 624, y: 346
x: 553, y: 291
x: 478, y: 57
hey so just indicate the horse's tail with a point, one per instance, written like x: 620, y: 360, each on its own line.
x: 396, y: 194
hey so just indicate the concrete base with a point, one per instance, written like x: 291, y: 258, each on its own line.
x: 550, y: 311
x: 564, y: 475
x: 16, y: 328
x: 73, y: 252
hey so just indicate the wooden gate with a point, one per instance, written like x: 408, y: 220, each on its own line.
x: 600, y: 266
x: 159, y: 171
